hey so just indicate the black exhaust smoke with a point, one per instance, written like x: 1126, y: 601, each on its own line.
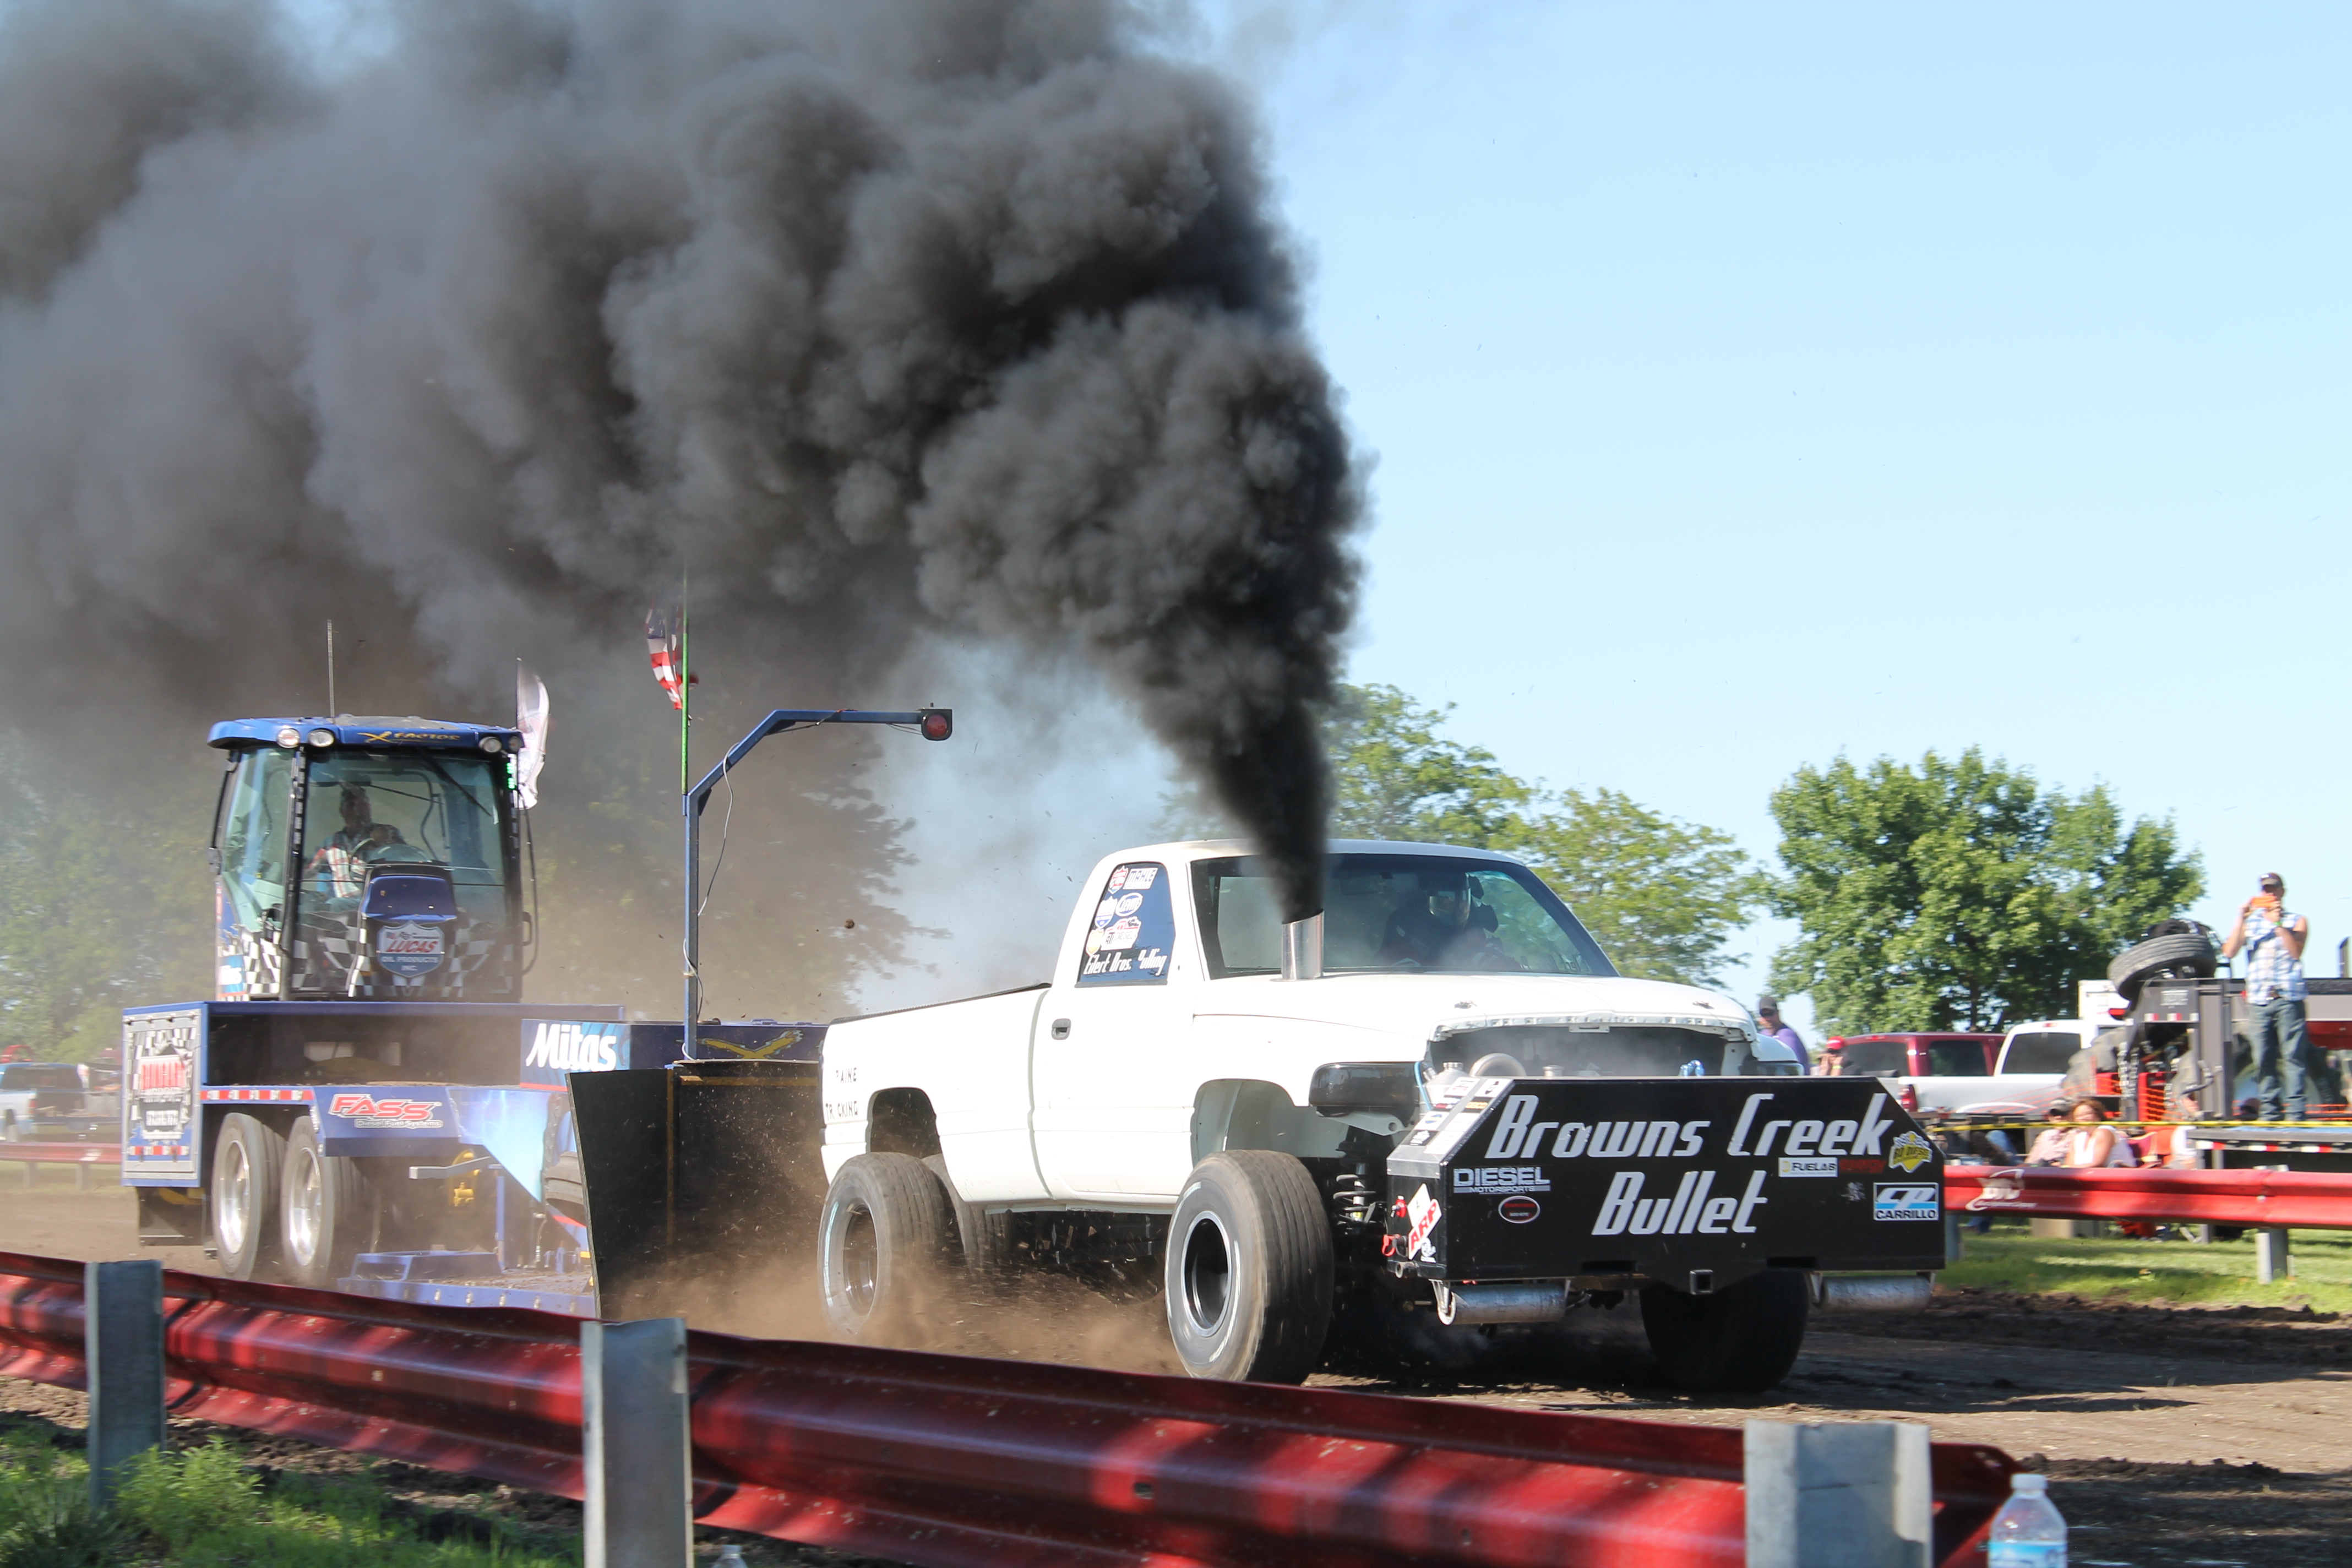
x: 901, y: 316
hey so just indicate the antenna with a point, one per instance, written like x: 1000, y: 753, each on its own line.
x: 331, y: 669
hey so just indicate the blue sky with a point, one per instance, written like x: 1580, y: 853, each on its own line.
x: 1754, y: 384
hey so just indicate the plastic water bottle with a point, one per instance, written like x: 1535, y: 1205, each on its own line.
x: 2028, y: 1532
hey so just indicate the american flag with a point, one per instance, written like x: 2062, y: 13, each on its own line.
x: 664, y: 630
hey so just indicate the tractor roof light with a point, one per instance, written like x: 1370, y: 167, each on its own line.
x: 491, y: 744
x: 288, y: 736
x: 938, y: 724
x: 321, y: 736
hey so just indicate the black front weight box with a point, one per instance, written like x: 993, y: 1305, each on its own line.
x: 1696, y: 1183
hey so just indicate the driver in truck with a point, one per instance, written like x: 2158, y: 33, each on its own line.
x: 1439, y: 926
x: 361, y: 839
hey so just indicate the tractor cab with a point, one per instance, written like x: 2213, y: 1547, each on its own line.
x: 369, y: 859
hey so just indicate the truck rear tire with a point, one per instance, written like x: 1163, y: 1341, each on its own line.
x: 246, y: 1162
x: 1249, y: 1269
x: 327, y: 1213
x: 884, y: 1245
x: 1741, y: 1340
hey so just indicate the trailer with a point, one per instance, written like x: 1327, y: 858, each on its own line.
x: 418, y: 1150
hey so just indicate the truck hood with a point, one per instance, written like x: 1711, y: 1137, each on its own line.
x: 1412, y: 1009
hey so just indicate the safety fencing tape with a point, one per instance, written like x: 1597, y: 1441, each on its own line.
x: 955, y: 1461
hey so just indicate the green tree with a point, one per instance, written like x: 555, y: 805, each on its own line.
x: 1393, y: 777
x: 102, y: 902
x: 1959, y: 893
x: 1662, y: 896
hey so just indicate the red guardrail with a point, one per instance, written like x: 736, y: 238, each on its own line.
x: 955, y: 1461
x: 63, y: 1153
x: 2316, y: 1200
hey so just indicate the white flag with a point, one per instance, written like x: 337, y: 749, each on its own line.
x: 530, y: 718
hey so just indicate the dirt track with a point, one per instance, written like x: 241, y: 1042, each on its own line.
x: 2178, y: 1436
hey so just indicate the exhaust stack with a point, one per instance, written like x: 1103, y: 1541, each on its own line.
x: 1302, y: 948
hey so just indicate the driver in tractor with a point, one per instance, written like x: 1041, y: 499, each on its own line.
x: 337, y: 865
x: 1440, y: 925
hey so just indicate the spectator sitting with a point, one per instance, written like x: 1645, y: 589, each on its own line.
x: 2091, y: 1143
x: 2050, y: 1146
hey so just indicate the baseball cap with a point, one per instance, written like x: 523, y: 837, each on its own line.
x: 2273, y: 881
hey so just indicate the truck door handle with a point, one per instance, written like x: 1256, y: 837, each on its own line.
x: 1061, y: 1028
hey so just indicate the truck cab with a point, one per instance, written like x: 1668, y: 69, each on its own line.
x: 369, y: 859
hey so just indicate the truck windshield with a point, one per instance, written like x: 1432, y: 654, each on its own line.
x: 1406, y: 914
x: 438, y: 808
x: 2047, y: 1051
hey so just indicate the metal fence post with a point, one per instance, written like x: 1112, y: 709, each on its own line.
x: 2272, y: 1263
x: 122, y: 1344
x: 634, y: 1444
x: 1848, y: 1494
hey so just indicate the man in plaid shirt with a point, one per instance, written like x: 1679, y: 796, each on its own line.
x: 2274, y: 939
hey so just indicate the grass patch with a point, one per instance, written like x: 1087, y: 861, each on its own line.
x: 2220, y: 1274
x: 205, y: 1508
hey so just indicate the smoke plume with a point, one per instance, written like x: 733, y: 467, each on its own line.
x: 885, y: 318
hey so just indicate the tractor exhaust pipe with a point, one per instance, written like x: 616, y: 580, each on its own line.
x: 1302, y: 948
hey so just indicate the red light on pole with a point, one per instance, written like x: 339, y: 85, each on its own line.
x: 938, y: 723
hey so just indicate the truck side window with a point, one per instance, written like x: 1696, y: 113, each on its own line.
x: 1133, y: 931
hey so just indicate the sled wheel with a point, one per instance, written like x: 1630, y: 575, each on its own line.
x: 326, y: 1210
x: 245, y: 1165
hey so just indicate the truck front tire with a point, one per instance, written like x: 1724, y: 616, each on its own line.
x: 246, y: 1162
x: 1249, y: 1269
x: 1741, y: 1340
x: 326, y: 1210
x: 883, y: 1246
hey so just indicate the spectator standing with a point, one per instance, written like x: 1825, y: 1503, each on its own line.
x: 2273, y: 940
x: 1768, y: 1015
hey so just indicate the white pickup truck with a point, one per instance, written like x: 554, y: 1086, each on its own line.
x: 1438, y: 1095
